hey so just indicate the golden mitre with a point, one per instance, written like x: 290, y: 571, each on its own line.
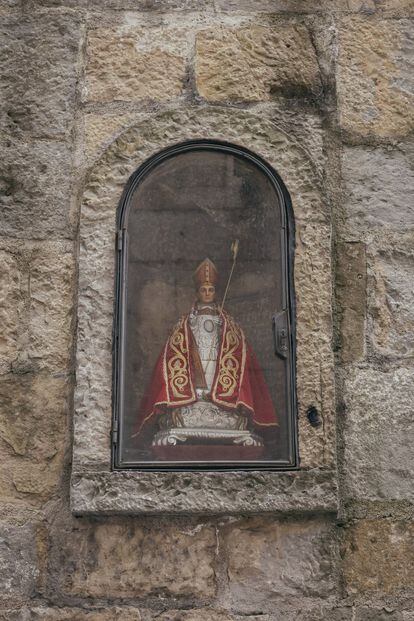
x: 206, y: 273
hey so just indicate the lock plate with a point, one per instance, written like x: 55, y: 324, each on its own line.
x: 281, y: 334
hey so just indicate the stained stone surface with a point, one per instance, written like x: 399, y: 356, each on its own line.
x: 134, y: 65
x: 378, y: 182
x: 375, y: 77
x: 10, y: 290
x: 377, y: 557
x: 270, y: 561
x: 120, y: 559
x: 33, y: 432
x: 38, y: 283
x: 36, y: 188
x: 391, y: 305
x: 39, y: 70
x: 254, y: 63
x: 42, y: 613
x: 380, y: 613
x: 130, y: 613
x: 378, y: 434
x: 315, y: 613
x: 367, y: 7
x: 18, y: 568
x: 351, y: 289
x: 206, y: 614
x: 163, y: 6
x: 52, y: 276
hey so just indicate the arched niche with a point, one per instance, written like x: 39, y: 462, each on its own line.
x: 186, y: 203
x: 96, y: 488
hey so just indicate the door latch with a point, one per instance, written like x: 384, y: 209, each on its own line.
x: 281, y: 334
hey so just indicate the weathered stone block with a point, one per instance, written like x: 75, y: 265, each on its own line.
x: 391, y: 305
x: 18, y: 571
x: 35, y: 189
x: 378, y: 434
x: 39, y: 69
x: 100, y: 130
x: 11, y: 307
x: 33, y: 434
x: 94, y: 381
x: 134, y: 65
x: 40, y: 613
x: 129, y: 613
x: 201, y: 614
x: 314, y: 364
x: 161, y: 6
x: 377, y: 613
x: 351, y: 284
x: 51, y: 300
x: 377, y: 184
x: 377, y: 557
x: 367, y: 7
x: 38, y: 288
x: 255, y: 63
x: 288, y: 613
x: 269, y: 561
x: 272, y: 6
x: 375, y: 77
x: 318, y: 613
x: 129, y: 559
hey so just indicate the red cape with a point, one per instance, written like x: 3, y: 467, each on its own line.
x: 238, y: 383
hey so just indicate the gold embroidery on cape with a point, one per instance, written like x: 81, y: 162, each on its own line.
x: 229, y: 365
x: 177, y: 365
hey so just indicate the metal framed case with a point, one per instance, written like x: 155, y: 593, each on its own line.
x: 191, y: 200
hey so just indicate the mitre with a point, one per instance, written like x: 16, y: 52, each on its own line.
x: 206, y: 273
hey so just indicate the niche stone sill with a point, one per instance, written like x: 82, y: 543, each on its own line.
x: 203, y: 493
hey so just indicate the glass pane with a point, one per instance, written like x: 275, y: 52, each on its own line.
x: 202, y: 383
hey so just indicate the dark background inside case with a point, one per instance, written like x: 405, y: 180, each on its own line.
x: 192, y: 206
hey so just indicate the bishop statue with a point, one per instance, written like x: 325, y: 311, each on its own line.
x: 207, y: 387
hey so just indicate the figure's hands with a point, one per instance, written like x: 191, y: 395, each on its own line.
x: 203, y: 395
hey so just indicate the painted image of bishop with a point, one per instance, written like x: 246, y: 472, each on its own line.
x: 207, y: 387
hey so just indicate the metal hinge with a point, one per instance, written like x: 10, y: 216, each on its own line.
x: 119, y: 239
x: 115, y: 436
x: 281, y: 334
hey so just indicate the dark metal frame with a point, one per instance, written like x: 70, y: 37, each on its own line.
x: 284, y: 328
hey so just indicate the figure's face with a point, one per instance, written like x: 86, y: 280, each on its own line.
x: 206, y: 294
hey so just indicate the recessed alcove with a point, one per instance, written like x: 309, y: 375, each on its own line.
x: 98, y: 488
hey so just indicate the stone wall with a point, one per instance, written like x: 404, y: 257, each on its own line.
x: 335, y: 75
